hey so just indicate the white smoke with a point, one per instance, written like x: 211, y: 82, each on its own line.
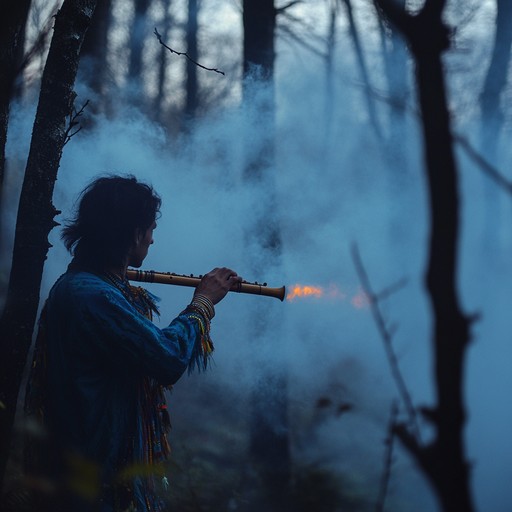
x: 334, y: 186
x: 328, y: 197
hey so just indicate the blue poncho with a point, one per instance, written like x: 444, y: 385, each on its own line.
x: 97, y: 383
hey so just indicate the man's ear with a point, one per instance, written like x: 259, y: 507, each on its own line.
x: 137, y: 236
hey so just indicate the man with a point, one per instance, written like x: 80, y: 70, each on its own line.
x: 101, y: 365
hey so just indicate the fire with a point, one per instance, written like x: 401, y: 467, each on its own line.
x: 332, y: 292
x: 304, y: 291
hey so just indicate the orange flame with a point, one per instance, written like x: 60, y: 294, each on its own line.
x: 304, y: 291
x: 332, y: 292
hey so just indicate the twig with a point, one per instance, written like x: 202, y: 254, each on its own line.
x: 387, y: 338
x: 384, y: 294
x: 388, y: 458
x: 292, y: 35
x: 36, y: 48
x: 488, y: 169
x: 363, y: 67
x: 73, y: 121
x: 159, y: 37
x: 280, y: 10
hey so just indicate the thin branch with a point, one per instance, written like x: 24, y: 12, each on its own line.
x: 363, y: 68
x: 388, y: 458
x: 388, y: 343
x: 159, y: 37
x: 393, y: 13
x: 302, y: 26
x: 491, y: 171
x: 73, y: 121
x: 420, y: 453
x: 280, y: 10
x: 390, y: 290
x: 395, y: 103
x: 488, y: 169
x: 37, y: 46
x: 308, y: 46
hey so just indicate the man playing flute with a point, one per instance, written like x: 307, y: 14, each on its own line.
x: 101, y: 365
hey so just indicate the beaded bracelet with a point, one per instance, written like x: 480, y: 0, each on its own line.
x: 204, y: 327
x: 200, y: 310
x: 206, y: 302
x: 206, y: 343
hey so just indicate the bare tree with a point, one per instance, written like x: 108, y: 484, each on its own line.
x: 12, y: 37
x: 329, y: 66
x: 395, y: 59
x: 259, y: 20
x: 269, y: 444
x: 36, y: 212
x: 443, y: 459
x: 93, y: 61
x: 192, y: 85
x: 496, y: 78
x: 363, y: 68
x: 138, y: 33
x: 162, y: 65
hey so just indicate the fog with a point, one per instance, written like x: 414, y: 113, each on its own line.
x: 335, y: 185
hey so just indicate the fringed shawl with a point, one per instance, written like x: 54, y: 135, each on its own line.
x: 98, y: 383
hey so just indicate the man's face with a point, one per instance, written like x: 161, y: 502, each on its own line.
x: 141, y: 247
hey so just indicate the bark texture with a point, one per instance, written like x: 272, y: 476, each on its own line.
x: 36, y: 212
x: 12, y: 37
x: 443, y: 460
x: 192, y: 100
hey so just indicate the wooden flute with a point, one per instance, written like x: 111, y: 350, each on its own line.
x: 150, y: 276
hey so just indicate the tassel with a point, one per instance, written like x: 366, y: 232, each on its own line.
x: 203, y: 350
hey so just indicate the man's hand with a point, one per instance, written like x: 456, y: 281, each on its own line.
x: 217, y: 283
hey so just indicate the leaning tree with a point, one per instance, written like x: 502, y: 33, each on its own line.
x: 36, y: 212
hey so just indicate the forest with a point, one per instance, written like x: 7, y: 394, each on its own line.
x: 354, y: 151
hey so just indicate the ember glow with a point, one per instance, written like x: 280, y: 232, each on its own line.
x: 360, y: 300
x: 332, y: 292
x: 304, y: 291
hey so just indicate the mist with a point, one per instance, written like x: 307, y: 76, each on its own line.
x: 335, y: 185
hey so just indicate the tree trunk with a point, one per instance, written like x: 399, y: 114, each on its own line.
x: 12, y: 30
x: 269, y: 446
x: 451, y: 327
x: 191, y: 86
x: 363, y: 70
x: 137, y: 35
x: 36, y: 211
x: 443, y: 460
x: 496, y: 79
x: 93, y: 56
x: 395, y: 67
x: 163, y: 63
x: 329, y: 71
x: 259, y: 21
x: 492, y: 115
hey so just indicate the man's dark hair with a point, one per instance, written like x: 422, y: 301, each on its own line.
x: 110, y: 209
